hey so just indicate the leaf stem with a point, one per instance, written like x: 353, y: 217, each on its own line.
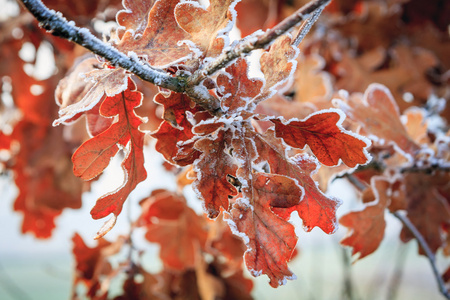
x: 263, y: 41
x: 429, y: 254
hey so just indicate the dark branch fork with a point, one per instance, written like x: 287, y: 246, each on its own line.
x: 59, y: 26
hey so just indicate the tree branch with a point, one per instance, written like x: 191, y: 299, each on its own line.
x: 59, y: 26
x: 423, y: 243
x: 263, y: 41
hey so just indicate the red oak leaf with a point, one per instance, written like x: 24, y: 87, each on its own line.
x: 277, y: 65
x: 367, y: 226
x: 94, y: 155
x: 378, y: 115
x: 270, y: 240
x: 176, y: 227
x: 315, y: 209
x: 175, y: 130
x: 326, y: 138
x: 208, y: 28
x: 213, y: 168
x: 158, y: 42
x: 237, y: 89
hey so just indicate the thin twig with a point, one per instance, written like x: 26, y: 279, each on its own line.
x: 263, y: 41
x: 394, y: 283
x: 347, y: 293
x: 306, y: 27
x: 429, y: 254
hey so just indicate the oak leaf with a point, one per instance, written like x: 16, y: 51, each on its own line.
x: 378, y: 115
x: 367, y: 226
x: 176, y: 129
x: 315, y: 209
x: 95, y: 154
x: 270, y: 239
x: 277, y: 65
x: 323, y: 133
x: 158, y: 42
x: 92, y: 263
x: 213, y: 169
x: 237, y: 89
x: 176, y: 227
x: 428, y: 207
x: 104, y: 82
x: 208, y: 28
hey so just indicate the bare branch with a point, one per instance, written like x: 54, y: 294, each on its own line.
x: 423, y: 243
x: 247, y: 45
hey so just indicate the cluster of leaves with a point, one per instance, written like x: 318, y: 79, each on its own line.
x: 247, y: 161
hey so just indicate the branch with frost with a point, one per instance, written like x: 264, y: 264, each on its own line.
x: 423, y: 243
x: 59, y: 26
x: 310, y: 11
x: 55, y: 23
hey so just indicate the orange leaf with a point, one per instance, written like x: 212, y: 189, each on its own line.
x: 428, y: 206
x: 176, y: 227
x: 208, y: 28
x: 277, y: 65
x: 94, y: 155
x: 378, y: 115
x: 315, y: 209
x: 326, y: 138
x: 367, y: 226
x: 158, y: 42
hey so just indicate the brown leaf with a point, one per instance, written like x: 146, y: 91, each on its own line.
x: 378, y: 115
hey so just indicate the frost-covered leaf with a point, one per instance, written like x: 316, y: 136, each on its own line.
x: 213, y: 169
x: 134, y: 18
x: 237, y: 89
x: 176, y: 129
x: 104, y: 82
x: 378, y: 115
x: 94, y: 155
x: 277, y: 65
x: 158, y: 42
x: 270, y: 239
x: 315, y: 209
x: 208, y: 28
x: 326, y: 138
